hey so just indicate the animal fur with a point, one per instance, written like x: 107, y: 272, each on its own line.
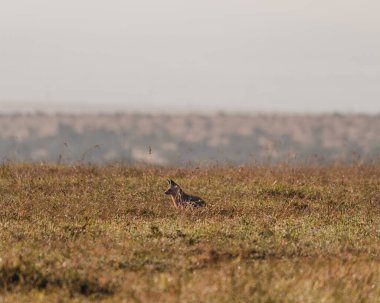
x: 182, y: 199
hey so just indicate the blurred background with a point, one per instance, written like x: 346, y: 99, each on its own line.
x: 190, y: 82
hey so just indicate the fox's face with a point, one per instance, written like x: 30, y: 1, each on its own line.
x: 173, y: 188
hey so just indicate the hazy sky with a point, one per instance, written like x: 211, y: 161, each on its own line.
x: 167, y: 55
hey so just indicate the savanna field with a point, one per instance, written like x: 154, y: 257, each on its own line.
x: 267, y: 234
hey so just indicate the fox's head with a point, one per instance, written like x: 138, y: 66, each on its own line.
x: 173, y: 189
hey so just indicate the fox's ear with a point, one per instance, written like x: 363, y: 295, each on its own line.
x: 171, y: 182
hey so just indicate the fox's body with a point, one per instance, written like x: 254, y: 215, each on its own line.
x: 182, y: 199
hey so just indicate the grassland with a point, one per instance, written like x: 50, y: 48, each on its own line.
x: 268, y: 234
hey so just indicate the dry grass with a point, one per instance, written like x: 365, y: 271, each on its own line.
x: 268, y: 234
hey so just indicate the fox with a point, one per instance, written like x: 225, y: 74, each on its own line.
x: 182, y: 199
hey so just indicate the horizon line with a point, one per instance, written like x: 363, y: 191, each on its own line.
x: 85, y: 107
